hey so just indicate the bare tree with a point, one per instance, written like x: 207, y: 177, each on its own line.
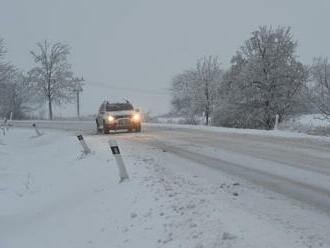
x: 194, y: 92
x: 208, y: 74
x: 53, y: 77
x: 5, y: 71
x: 184, y: 102
x: 320, y: 85
x: 265, y: 79
x: 5, y: 67
x: 17, y: 96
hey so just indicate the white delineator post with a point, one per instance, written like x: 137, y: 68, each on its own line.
x: 119, y: 160
x: 3, y: 129
x: 36, y: 129
x: 86, y: 149
x: 276, y: 122
x: 10, y: 121
x: 4, y: 126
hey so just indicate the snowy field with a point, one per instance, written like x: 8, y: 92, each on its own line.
x: 52, y: 196
x: 313, y: 120
x: 314, y: 124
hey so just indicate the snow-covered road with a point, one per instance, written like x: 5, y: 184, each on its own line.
x: 281, y: 181
x: 298, y: 167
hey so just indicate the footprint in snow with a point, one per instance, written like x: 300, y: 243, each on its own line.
x: 228, y: 236
x: 133, y: 215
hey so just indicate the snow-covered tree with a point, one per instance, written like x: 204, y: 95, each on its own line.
x: 53, y: 77
x: 320, y: 85
x: 208, y: 76
x: 264, y: 80
x: 5, y: 72
x: 194, y: 91
x: 183, y: 97
x: 17, y: 95
x: 5, y: 67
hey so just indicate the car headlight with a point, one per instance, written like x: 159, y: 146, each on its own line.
x: 111, y: 118
x: 136, y: 117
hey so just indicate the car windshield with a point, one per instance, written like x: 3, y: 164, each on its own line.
x: 118, y: 106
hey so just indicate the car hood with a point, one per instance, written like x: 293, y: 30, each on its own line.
x: 123, y: 112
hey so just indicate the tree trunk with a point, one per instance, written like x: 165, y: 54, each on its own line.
x: 50, y: 109
x: 49, y: 96
x: 78, y: 107
x: 207, y: 117
x: 207, y: 111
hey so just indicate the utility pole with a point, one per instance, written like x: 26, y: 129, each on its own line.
x: 78, y: 89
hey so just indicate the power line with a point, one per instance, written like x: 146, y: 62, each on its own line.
x: 163, y: 91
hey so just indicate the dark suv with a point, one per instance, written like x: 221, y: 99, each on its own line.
x: 117, y: 116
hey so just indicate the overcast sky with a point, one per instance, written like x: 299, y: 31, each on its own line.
x: 132, y: 49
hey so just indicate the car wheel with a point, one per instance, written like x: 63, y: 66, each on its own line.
x: 98, y: 130
x: 138, y: 128
x: 104, y: 130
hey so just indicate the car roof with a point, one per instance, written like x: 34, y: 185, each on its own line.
x: 117, y: 102
x: 118, y: 106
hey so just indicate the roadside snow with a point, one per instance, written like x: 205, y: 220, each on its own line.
x: 274, y: 133
x: 314, y: 124
x: 286, y: 131
x: 313, y: 120
x: 51, y: 196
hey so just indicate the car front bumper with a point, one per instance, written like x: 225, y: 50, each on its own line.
x: 121, y: 124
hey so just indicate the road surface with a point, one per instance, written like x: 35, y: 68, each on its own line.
x: 296, y: 167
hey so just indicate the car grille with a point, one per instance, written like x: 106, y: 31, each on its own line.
x: 122, y: 116
x: 123, y: 122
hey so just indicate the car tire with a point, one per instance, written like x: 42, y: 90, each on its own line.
x: 104, y: 130
x: 98, y: 130
x: 138, y: 128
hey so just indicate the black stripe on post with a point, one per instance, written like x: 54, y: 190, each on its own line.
x: 115, y: 150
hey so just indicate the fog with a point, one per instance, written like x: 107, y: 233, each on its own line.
x: 132, y: 49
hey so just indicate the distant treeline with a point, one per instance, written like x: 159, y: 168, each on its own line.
x: 51, y: 81
x: 265, y: 79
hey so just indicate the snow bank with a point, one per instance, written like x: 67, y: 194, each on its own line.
x: 275, y: 133
x: 314, y: 124
x: 314, y: 120
x: 51, y: 196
